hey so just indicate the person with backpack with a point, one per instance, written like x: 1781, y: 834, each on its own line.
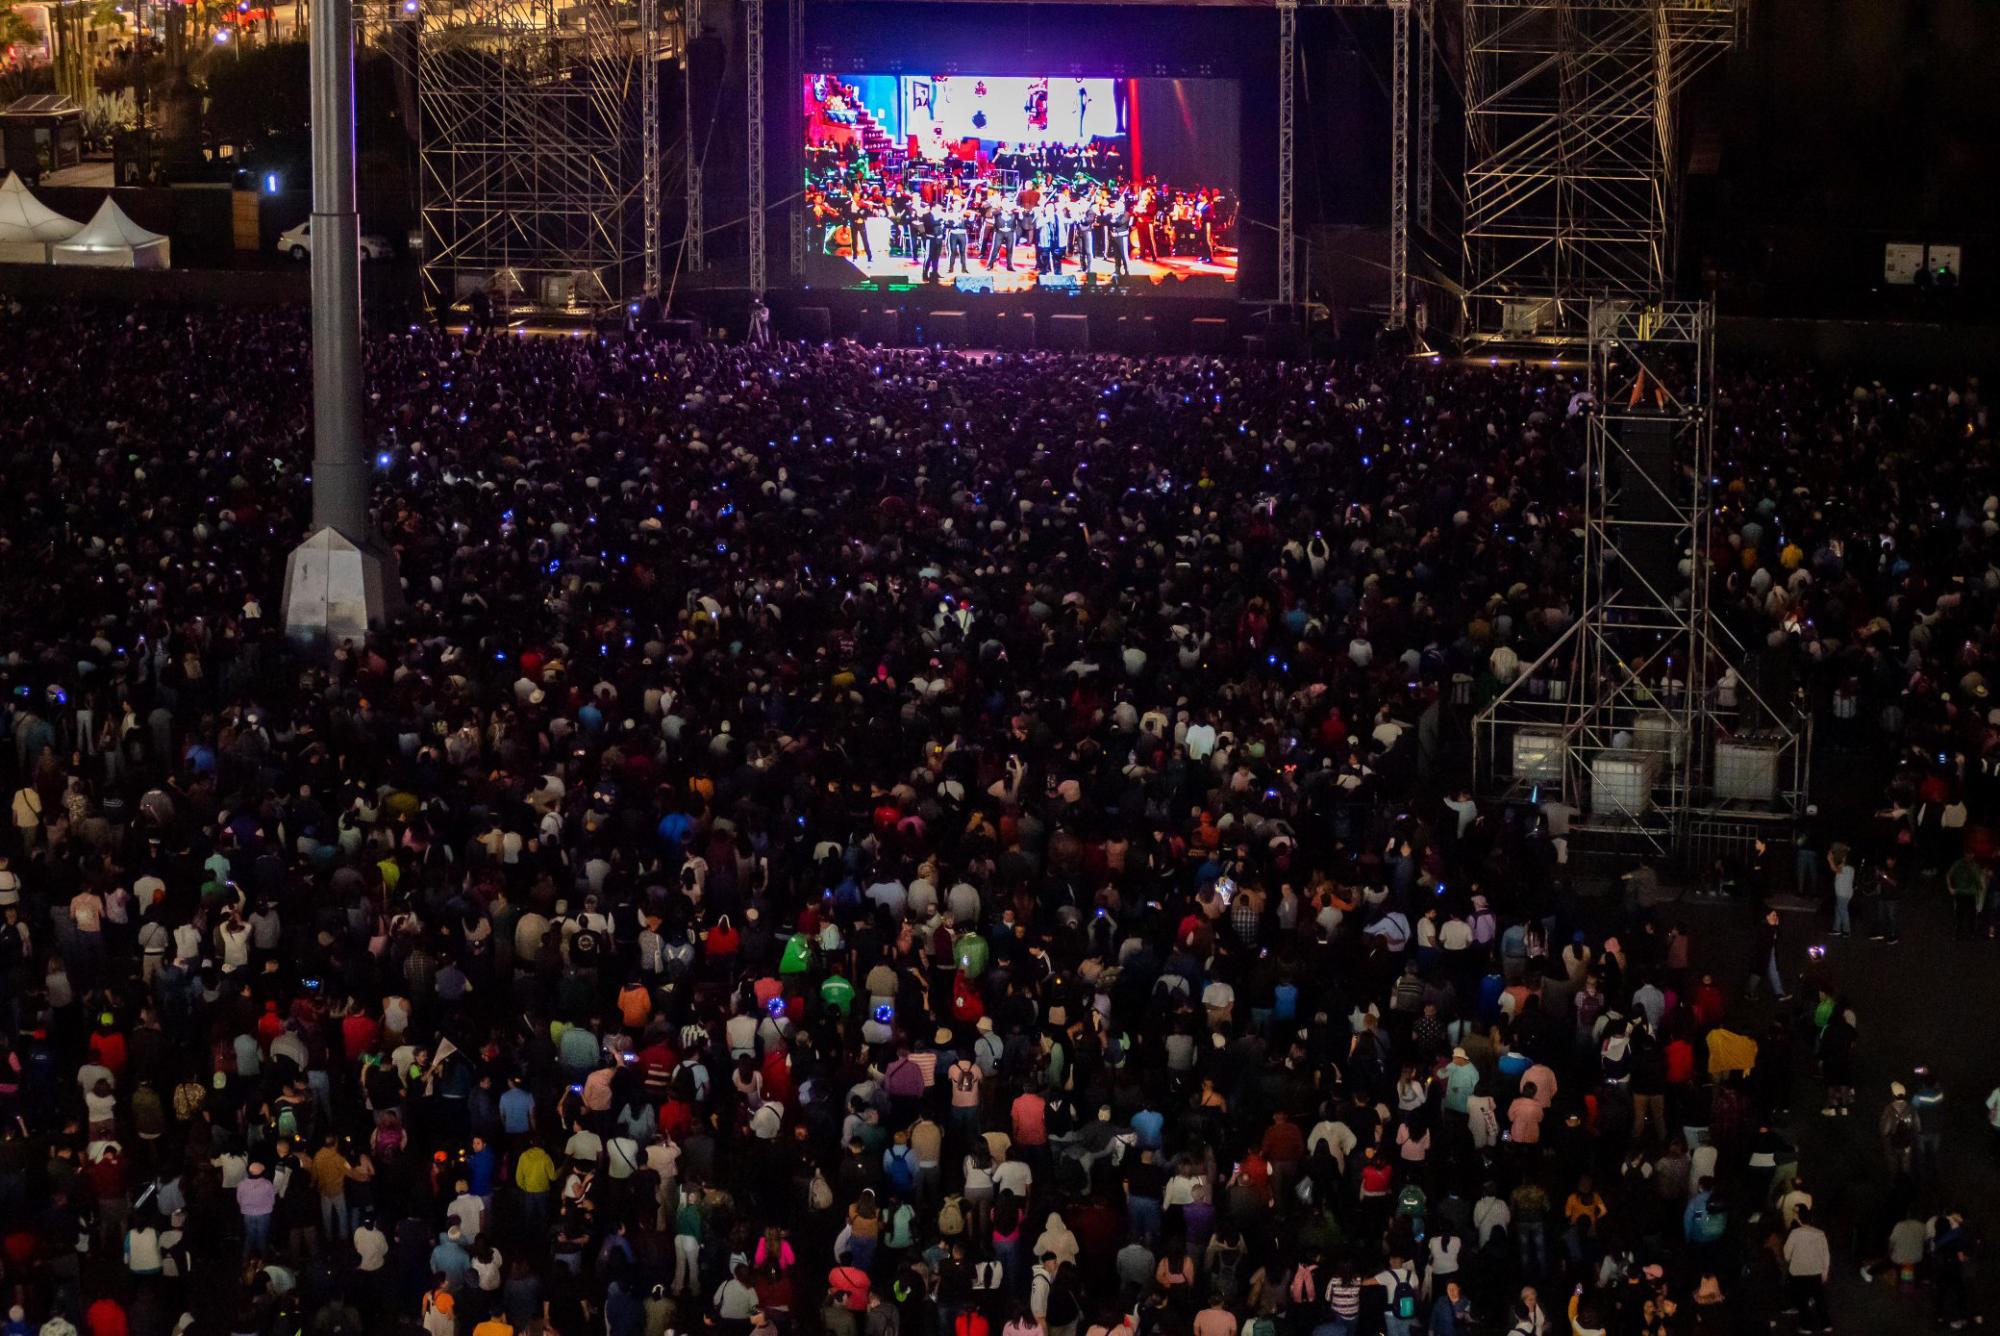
x: 1052, y: 1297
x: 899, y: 1166
x: 1399, y: 1284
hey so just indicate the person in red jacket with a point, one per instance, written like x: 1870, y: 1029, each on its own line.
x: 106, y: 1317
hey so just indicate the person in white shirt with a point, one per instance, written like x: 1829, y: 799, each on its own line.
x: 232, y: 941
x: 1489, y: 1213
x: 154, y: 939
x: 1012, y: 1175
x: 584, y: 1146
x: 622, y: 1154
x: 1455, y: 934
x: 1444, y: 1250
x: 469, y: 1211
x: 1808, y: 1261
x: 371, y: 1246
x: 1339, y: 1137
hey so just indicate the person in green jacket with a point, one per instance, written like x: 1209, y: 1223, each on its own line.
x: 1967, y: 883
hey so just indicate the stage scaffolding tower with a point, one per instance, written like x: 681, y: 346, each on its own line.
x: 1571, y: 159
x: 795, y: 65
x: 528, y: 144
x: 1645, y: 718
x: 694, y: 234
x: 1288, y: 64
x: 650, y: 147
x: 753, y: 93
x: 1399, y: 166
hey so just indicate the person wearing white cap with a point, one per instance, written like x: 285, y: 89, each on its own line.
x: 1461, y: 1079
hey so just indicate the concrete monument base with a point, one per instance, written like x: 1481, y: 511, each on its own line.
x: 335, y: 591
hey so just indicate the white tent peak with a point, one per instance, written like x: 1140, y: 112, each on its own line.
x: 23, y: 217
x: 110, y: 229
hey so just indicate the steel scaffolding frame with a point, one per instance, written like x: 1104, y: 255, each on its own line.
x: 1288, y: 38
x: 526, y: 143
x: 1399, y: 166
x: 1571, y: 175
x: 1425, y: 163
x: 753, y: 95
x: 1647, y: 682
x: 795, y: 216
x: 694, y: 233
x: 651, y: 150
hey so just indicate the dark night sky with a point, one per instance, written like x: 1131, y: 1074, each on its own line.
x: 1865, y: 113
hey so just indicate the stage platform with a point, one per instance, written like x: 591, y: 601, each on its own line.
x: 1101, y: 319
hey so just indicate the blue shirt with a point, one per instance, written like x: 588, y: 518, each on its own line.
x: 481, y: 1170
x: 1701, y: 1224
x: 1147, y: 1125
x: 1459, y: 1083
x: 1450, y: 1319
x: 453, y: 1260
x: 517, y: 1109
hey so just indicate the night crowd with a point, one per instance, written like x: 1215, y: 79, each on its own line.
x: 882, y: 844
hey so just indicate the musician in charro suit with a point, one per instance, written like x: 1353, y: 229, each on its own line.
x: 1119, y: 228
x: 1081, y: 241
x: 1049, y: 239
x: 858, y: 214
x: 1144, y: 223
x: 929, y: 225
x: 955, y: 234
x: 1004, y: 228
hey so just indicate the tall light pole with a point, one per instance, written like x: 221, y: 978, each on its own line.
x: 340, y: 581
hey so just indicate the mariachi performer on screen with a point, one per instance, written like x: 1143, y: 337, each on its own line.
x: 1119, y: 230
x: 1082, y: 231
x: 1005, y: 231
x: 1048, y: 238
x: 1144, y: 216
x: 859, y: 211
x: 930, y: 234
x: 956, y: 229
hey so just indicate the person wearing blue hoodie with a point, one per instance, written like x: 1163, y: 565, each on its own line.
x: 451, y: 1259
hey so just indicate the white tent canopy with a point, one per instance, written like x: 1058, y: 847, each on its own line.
x: 28, y: 227
x: 110, y: 240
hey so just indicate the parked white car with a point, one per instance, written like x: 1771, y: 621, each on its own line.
x: 297, y: 243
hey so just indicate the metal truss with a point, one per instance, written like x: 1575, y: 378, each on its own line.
x: 527, y: 144
x: 795, y: 217
x: 1288, y: 38
x: 1399, y: 166
x: 753, y: 93
x: 650, y: 149
x: 694, y: 248
x: 1571, y: 177
x: 1425, y: 160
x: 1640, y: 716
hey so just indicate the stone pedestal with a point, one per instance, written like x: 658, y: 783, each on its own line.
x: 335, y: 591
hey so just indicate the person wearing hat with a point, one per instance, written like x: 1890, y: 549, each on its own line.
x: 1808, y: 1265
x: 1461, y: 1080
